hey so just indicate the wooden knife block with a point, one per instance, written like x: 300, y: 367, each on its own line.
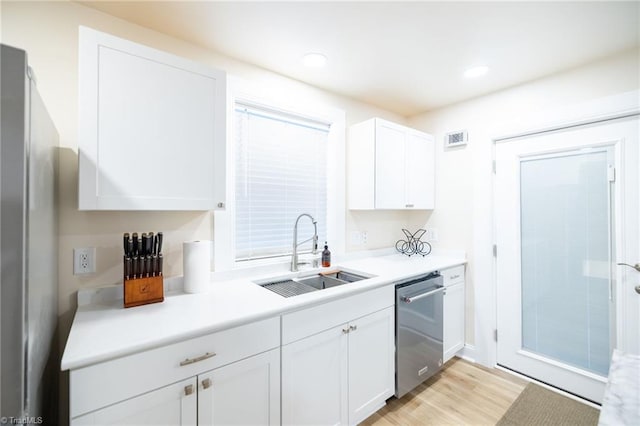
x: 142, y: 291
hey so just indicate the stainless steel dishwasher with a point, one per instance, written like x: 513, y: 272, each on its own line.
x: 419, y: 329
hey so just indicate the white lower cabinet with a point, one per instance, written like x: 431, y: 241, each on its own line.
x: 453, y: 306
x: 246, y: 392
x: 315, y: 381
x: 341, y: 375
x: 225, y: 378
x: 332, y: 363
x: 171, y: 405
x: 371, y: 364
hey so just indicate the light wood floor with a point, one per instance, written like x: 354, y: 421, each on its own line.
x: 461, y: 394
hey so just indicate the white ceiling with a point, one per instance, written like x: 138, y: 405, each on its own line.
x: 405, y: 57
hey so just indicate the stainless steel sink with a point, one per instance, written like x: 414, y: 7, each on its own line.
x: 305, y: 284
x: 321, y: 281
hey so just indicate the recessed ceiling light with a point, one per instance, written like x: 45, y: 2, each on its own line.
x: 314, y: 60
x: 476, y: 71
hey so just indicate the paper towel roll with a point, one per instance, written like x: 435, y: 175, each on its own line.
x: 196, y: 264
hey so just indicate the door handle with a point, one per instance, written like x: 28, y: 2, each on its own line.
x: 636, y: 266
x: 198, y: 359
x: 406, y: 299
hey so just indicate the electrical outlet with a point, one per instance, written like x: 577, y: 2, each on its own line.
x: 84, y: 260
x: 358, y: 238
x: 431, y: 234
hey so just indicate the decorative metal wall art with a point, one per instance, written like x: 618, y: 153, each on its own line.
x: 412, y: 245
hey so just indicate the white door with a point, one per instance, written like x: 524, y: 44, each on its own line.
x: 246, y: 392
x: 314, y: 379
x: 453, y: 310
x: 566, y: 213
x: 419, y: 171
x: 173, y: 405
x: 390, y: 164
x: 371, y: 363
x: 140, y: 106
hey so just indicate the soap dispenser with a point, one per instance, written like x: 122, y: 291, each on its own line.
x: 326, y: 256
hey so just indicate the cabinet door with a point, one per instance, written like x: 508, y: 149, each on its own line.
x: 371, y: 363
x: 152, y: 128
x: 419, y: 171
x: 246, y: 392
x: 390, y: 166
x: 174, y: 405
x: 314, y: 379
x: 453, y: 305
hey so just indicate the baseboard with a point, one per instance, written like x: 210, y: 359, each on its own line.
x: 468, y: 353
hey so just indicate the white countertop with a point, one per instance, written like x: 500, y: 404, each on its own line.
x: 105, y: 330
x: 621, y: 403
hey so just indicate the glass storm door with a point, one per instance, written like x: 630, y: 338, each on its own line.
x: 557, y: 224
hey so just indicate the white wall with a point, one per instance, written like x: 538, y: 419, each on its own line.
x: 463, y: 213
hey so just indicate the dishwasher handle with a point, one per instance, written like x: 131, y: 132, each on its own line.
x: 406, y: 299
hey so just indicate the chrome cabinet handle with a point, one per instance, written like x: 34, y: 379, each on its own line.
x: 198, y: 359
x: 206, y: 383
x: 636, y: 266
x: 406, y: 299
x: 408, y: 205
x: 188, y: 390
x: 349, y: 329
x: 453, y: 277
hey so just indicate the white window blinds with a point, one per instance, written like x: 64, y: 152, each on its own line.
x: 280, y: 172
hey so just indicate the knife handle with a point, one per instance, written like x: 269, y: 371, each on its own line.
x: 130, y: 248
x: 154, y: 265
x: 125, y: 272
x: 125, y: 243
x: 143, y: 243
x: 135, y: 271
x: 128, y: 266
x: 160, y: 264
x: 134, y: 237
x: 147, y: 266
x: 149, y: 246
x: 140, y: 266
x: 159, y: 243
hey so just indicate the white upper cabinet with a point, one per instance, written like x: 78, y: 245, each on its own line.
x: 151, y: 128
x: 390, y: 167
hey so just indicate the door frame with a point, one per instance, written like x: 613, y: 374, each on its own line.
x: 603, y: 109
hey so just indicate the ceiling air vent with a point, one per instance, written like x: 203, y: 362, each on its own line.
x: 454, y: 139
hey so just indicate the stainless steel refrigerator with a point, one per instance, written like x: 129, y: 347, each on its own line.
x: 29, y: 247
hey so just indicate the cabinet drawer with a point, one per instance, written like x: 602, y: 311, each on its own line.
x: 453, y: 275
x: 112, y: 381
x: 307, y: 322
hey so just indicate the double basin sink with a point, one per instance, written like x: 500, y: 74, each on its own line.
x: 288, y: 287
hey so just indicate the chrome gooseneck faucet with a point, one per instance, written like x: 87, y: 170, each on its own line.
x: 314, y: 242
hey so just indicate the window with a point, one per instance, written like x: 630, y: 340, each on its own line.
x: 280, y: 172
